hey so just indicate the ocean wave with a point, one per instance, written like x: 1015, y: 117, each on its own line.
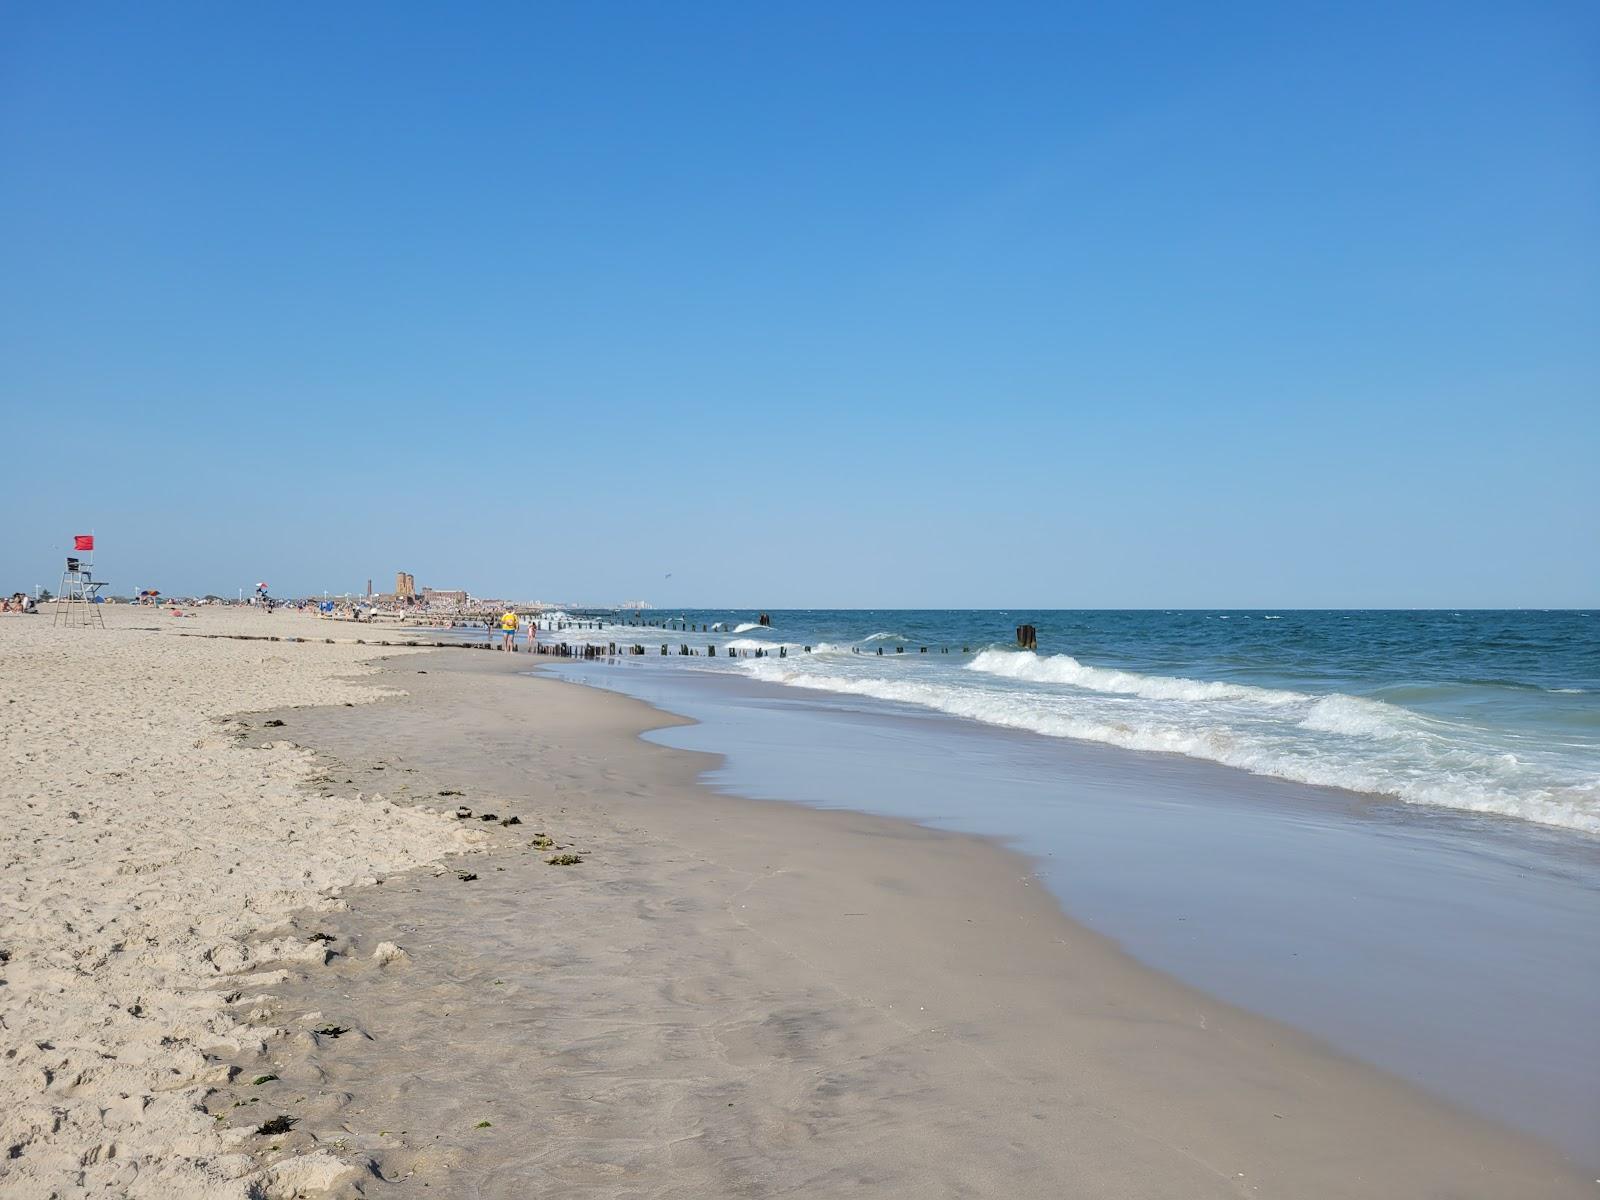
x: 749, y: 627
x: 1356, y: 716
x: 760, y: 644
x: 1064, y: 669
x: 1335, y: 740
x: 884, y: 637
x: 820, y: 648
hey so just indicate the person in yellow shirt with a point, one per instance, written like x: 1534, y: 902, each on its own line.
x: 508, y: 631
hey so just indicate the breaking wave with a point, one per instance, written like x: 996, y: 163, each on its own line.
x: 1333, y: 740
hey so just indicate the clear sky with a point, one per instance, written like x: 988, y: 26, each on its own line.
x: 807, y: 304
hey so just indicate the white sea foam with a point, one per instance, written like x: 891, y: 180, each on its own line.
x: 1332, y: 740
x: 750, y: 627
x: 1063, y: 668
x: 762, y: 644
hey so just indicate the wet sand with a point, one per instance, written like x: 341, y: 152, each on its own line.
x: 741, y: 998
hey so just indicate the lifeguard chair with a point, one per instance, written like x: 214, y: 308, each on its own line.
x: 78, y: 601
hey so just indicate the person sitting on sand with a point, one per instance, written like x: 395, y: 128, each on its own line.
x: 508, y: 631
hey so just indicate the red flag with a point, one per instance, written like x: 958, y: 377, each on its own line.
x: 83, y: 541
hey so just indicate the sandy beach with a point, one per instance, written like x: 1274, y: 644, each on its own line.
x: 148, y: 858
x: 1050, y: 559
x: 723, y: 998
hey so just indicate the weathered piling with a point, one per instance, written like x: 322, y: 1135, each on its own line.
x: 1027, y: 637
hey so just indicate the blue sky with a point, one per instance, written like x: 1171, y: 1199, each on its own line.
x: 807, y: 305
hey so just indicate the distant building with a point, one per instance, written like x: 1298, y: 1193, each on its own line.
x: 444, y: 597
x: 405, y: 586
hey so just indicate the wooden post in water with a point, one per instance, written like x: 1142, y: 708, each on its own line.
x: 1027, y: 637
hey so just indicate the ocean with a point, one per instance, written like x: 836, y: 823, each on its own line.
x: 1493, y: 712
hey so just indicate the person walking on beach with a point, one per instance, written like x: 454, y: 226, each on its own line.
x: 533, y: 636
x: 508, y: 631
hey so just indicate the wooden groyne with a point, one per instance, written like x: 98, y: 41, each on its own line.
x: 586, y: 650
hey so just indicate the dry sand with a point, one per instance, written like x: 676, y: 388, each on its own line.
x: 733, y: 998
x: 146, y: 856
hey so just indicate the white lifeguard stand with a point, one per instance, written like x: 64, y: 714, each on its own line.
x: 78, y: 601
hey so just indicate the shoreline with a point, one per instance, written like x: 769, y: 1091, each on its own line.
x: 1397, y: 934
x: 1085, y: 1059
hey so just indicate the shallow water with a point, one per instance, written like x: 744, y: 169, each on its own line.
x: 1494, y: 712
x: 1460, y: 951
